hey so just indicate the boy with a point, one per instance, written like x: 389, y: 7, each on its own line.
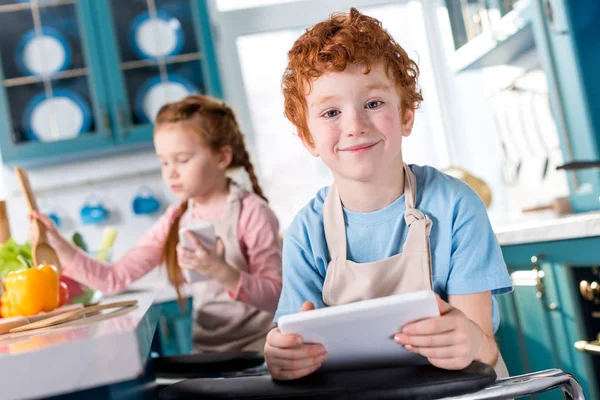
x: 383, y: 227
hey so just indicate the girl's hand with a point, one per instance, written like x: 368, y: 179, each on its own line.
x: 451, y: 341
x: 62, y: 246
x: 288, y: 357
x: 209, y: 262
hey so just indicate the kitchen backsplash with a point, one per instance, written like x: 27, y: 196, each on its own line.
x: 115, y: 181
x: 63, y: 190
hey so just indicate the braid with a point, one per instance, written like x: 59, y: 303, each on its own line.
x: 253, y: 179
x: 170, y: 254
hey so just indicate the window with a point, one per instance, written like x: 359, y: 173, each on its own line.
x: 289, y: 175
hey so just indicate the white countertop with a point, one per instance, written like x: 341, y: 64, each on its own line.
x: 70, y: 359
x: 157, y: 282
x: 541, y: 228
x: 531, y: 231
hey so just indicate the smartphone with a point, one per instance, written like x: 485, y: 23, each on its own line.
x: 205, y: 233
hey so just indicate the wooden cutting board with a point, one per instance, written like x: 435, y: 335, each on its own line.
x: 6, y: 324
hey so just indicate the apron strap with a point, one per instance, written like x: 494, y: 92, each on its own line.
x: 333, y: 217
x: 419, y: 224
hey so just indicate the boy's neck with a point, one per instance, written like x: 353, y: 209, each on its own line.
x: 372, y: 195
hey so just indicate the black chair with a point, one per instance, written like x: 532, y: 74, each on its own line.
x: 478, y: 381
x: 207, y: 365
x: 169, y: 370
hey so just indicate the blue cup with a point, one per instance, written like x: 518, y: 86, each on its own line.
x: 93, y: 211
x: 145, y: 202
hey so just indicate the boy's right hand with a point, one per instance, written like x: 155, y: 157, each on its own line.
x: 288, y: 357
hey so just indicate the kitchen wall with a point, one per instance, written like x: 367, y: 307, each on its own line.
x: 64, y: 189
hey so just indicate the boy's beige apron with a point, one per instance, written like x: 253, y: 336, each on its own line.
x: 409, y: 271
x: 222, y: 324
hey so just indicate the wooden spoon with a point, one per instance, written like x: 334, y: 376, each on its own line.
x: 41, y: 250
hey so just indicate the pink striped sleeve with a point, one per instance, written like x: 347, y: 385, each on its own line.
x: 258, y: 233
x: 111, y: 278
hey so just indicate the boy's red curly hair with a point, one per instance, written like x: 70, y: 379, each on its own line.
x: 331, y: 45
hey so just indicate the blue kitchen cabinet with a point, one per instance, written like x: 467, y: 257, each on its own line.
x: 567, y: 34
x: 543, y: 317
x: 54, y: 107
x: 84, y: 78
x: 174, y: 328
x: 145, y: 72
x: 565, y: 37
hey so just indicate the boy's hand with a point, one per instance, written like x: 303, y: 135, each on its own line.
x: 451, y: 341
x: 209, y: 262
x: 288, y: 357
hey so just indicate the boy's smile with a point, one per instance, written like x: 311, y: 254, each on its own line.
x: 356, y: 124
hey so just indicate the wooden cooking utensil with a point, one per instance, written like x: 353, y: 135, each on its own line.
x: 73, y: 315
x: 6, y: 324
x: 41, y: 250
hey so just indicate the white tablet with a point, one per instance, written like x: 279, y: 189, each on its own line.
x: 206, y: 235
x: 361, y: 334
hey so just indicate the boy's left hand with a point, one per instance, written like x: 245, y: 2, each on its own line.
x: 209, y: 262
x: 450, y: 341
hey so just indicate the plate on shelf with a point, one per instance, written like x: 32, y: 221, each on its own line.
x: 160, y: 35
x: 63, y: 116
x: 44, y: 54
x: 156, y: 92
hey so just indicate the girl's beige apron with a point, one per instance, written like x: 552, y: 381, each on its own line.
x: 222, y: 324
x: 409, y: 271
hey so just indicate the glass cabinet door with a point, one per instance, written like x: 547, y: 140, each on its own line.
x: 157, y: 54
x: 54, y: 107
x: 471, y: 18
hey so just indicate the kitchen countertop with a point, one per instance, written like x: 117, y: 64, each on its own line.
x: 531, y: 231
x: 69, y: 359
x: 543, y: 228
x: 157, y: 282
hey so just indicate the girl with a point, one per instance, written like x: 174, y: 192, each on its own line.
x: 197, y: 140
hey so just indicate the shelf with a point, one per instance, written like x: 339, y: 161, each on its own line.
x: 182, y: 58
x: 28, y: 80
x: 511, y: 38
x: 27, y: 6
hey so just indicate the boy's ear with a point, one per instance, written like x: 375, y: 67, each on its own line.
x: 225, y: 156
x: 408, y: 121
x: 310, y: 147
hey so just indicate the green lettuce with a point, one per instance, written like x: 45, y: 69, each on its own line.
x: 9, y: 253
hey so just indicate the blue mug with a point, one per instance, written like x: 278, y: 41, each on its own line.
x: 145, y: 202
x: 93, y: 211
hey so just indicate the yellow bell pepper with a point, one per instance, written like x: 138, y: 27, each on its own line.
x: 32, y: 290
x: 6, y: 310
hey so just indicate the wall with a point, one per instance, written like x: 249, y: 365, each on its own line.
x: 65, y: 188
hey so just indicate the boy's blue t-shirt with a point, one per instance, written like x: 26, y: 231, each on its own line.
x: 466, y: 257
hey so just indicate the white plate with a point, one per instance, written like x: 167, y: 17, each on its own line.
x: 156, y: 36
x: 43, y: 54
x: 64, y: 116
x: 156, y: 92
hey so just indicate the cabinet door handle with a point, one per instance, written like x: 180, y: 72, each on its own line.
x: 588, y: 347
x: 539, y: 285
x: 123, y: 119
x: 106, y: 122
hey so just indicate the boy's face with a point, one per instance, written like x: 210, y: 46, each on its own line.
x: 356, y: 124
